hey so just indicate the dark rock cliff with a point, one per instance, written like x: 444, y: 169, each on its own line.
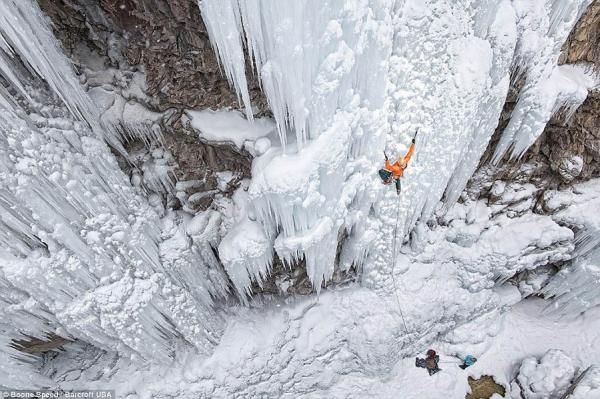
x: 167, y: 38
x: 547, y: 161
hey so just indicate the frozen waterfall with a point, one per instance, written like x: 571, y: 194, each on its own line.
x: 323, y: 67
x: 343, y: 77
x: 84, y: 256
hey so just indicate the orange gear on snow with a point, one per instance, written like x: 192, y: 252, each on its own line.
x: 398, y: 167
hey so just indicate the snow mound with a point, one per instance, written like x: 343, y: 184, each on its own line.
x: 229, y: 127
x: 547, y: 377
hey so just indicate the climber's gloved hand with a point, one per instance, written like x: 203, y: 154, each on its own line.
x: 415, y: 136
x: 385, y: 155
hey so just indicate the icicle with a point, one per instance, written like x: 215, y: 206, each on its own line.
x: 323, y: 69
x: 96, y: 267
x: 224, y: 26
x: 247, y: 254
x: 543, y: 27
x: 26, y: 33
x: 304, y: 77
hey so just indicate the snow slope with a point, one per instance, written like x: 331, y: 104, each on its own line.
x: 297, y: 351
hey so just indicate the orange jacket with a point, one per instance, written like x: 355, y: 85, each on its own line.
x: 398, y: 167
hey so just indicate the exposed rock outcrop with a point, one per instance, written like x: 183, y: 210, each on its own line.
x: 568, y: 150
x: 36, y: 345
x: 583, y: 44
x: 156, y: 53
x: 484, y: 388
x: 167, y: 38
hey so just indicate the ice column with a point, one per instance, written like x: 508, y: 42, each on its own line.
x: 323, y: 68
x: 543, y: 26
x: 82, y: 254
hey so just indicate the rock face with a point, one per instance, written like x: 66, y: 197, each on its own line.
x: 564, y: 142
x: 583, y: 44
x: 165, y: 37
x: 568, y: 150
x: 579, y: 137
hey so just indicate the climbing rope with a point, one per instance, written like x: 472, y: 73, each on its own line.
x: 394, y: 266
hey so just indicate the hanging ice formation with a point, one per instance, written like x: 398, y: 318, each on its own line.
x: 26, y: 34
x: 575, y: 287
x: 323, y: 68
x: 332, y: 71
x: 83, y: 256
x: 547, y: 88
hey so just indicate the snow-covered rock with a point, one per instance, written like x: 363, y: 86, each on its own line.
x: 547, y: 377
x: 570, y: 167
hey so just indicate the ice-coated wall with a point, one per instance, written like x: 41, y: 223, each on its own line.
x: 348, y: 79
x: 323, y: 67
x: 82, y: 254
x: 547, y: 88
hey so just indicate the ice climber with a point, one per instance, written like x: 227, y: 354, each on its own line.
x: 430, y: 362
x: 393, y: 172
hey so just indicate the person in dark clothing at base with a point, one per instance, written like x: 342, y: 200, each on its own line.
x: 430, y: 362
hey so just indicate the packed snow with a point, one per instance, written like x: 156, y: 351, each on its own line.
x: 341, y: 346
x: 231, y: 127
